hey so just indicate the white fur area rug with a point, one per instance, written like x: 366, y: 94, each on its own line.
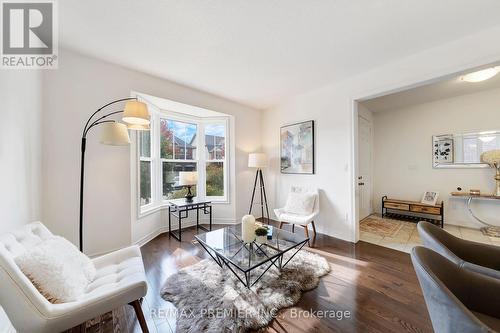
x: 211, y: 299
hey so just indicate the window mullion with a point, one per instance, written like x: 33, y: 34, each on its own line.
x: 201, y: 161
x: 157, y: 152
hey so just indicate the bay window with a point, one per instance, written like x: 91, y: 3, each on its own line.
x: 182, y: 143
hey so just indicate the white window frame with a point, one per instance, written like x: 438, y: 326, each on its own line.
x: 162, y: 160
x: 151, y: 167
x: 157, y: 200
x: 225, y: 122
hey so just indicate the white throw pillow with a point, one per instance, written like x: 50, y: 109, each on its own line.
x: 300, y: 203
x: 57, y: 269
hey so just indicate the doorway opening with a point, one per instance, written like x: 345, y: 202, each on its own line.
x: 394, y: 157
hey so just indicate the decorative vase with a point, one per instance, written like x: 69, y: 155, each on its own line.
x: 248, y: 228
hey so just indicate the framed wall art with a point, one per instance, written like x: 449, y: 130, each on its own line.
x: 297, y: 148
x: 443, y: 149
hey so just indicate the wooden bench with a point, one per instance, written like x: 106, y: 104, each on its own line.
x: 404, y: 207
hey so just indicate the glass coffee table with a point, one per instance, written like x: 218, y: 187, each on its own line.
x: 227, y: 249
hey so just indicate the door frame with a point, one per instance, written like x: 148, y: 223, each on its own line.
x: 371, y: 164
x: 387, y: 90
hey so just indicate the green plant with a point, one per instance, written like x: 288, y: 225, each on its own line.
x: 261, y: 231
x: 215, y: 179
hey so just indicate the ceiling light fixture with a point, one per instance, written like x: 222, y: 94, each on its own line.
x: 481, y: 75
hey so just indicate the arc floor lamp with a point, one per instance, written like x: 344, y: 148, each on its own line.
x: 136, y: 117
x: 259, y: 161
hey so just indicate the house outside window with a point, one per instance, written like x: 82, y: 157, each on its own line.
x: 215, y: 158
x: 172, y: 146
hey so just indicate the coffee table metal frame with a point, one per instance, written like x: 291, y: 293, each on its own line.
x: 275, y: 260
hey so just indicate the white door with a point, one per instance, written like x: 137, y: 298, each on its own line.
x: 364, y: 167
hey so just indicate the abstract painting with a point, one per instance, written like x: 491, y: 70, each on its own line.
x: 297, y: 148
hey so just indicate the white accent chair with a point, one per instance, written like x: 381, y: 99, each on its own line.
x: 120, y: 280
x: 303, y: 220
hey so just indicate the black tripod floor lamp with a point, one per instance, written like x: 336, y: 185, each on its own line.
x: 136, y: 117
x: 259, y: 161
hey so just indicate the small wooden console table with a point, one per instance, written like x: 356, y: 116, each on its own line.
x: 404, y: 207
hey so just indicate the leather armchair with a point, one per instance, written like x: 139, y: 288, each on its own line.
x: 458, y: 300
x: 120, y: 280
x: 477, y: 257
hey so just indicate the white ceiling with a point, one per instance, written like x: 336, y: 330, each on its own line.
x: 167, y: 105
x: 428, y: 93
x: 262, y: 52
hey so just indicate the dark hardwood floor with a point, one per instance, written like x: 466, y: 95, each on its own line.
x: 377, y: 285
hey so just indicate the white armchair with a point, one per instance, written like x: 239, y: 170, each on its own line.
x: 285, y: 217
x: 120, y: 280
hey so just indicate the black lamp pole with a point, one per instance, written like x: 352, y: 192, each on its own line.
x: 263, y: 196
x: 88, y: 126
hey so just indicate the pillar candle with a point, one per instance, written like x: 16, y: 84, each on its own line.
x: 248, y: 228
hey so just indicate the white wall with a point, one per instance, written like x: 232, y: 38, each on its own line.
x: 20, y: 153
x: 72, y: 93
x: 332, y: 108
x: 20, y: 147
x: 403, y: 153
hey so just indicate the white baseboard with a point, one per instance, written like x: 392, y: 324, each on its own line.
x: 163, y: 229
x: 152, y: 235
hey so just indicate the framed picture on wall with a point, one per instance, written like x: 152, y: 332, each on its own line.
x: 443, y: 149
x: 297, y: 148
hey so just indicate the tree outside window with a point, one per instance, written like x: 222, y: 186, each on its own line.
x: 215, y: 152
x: 144, y: 141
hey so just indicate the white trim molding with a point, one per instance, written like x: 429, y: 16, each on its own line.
x: 164, y: 229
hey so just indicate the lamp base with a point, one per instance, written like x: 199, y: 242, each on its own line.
x: 263, y: 196
x: 189, y: 196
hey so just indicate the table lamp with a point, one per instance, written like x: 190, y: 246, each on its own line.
x: 188, y: 179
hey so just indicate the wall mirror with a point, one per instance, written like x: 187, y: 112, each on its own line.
x: 463, y: 150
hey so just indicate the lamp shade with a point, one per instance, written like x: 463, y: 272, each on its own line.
x: 136, y: 113
x: 114, y: 134
x: 257, y: 160
x: 136, y: 127
x: 188, y: 178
